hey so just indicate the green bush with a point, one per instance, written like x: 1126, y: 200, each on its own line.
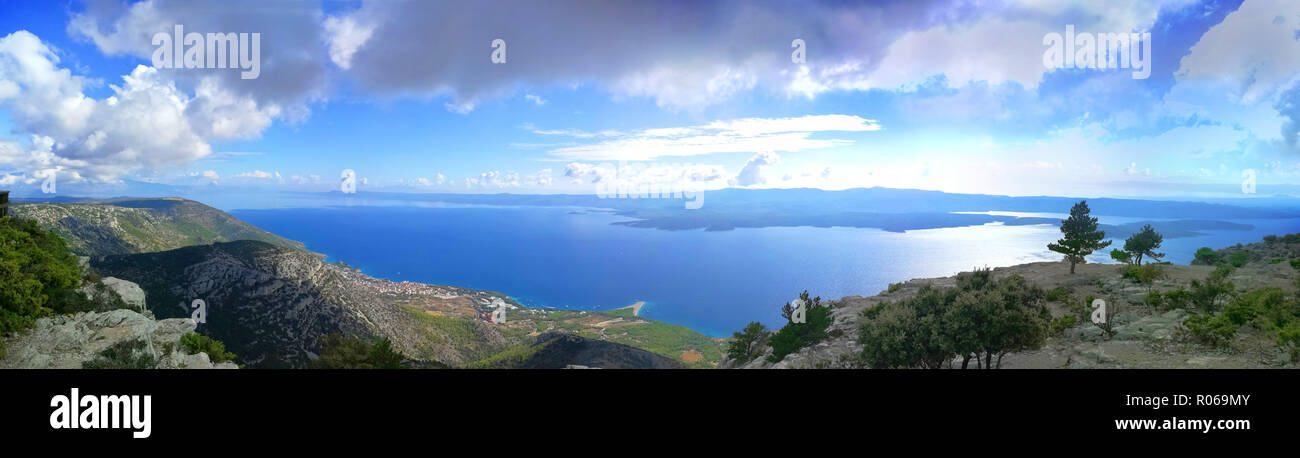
x: 343, y: 352
x: 1266, y: 309
x: 1239, y: 258
x: 129, y: 354
x: 1145, y: 274
x: 746, y: 345
x: 1207, y: 255
x: 1058, y: 294
x: 981, y: 319
x: 1060, y: 324
x: 1205, y: 295
x: 35, y: 265
x: 195, y: 343
x: 793, y: 336
x: 1295, y: 263
x: 1121, y: 256
x: 894, y: 287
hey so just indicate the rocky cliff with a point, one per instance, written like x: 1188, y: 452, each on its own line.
x: 81, y: 340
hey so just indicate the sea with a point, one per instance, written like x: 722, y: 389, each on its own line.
x: 714, y: 282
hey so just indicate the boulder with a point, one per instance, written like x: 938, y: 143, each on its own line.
x: 130, y: 293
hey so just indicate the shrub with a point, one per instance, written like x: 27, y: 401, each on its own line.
x: 128, y: 354
x: 1266, y: 309
x: 34, y: 266
x: 1270, y: 239
x: 1154, y: 299
x: 793, y: 336
x: 1179, y: 298
x: 343, y: 352
x: 746, y: 345
x: 1205, y: 295
x: 1145, y: 274
x: 1060, y: 324
x: 1121, y: 256
x: 1239, y: 258
x: 1295, y: 263
x: 1057, y: 294
x: 981, y: 319
x: 893, y: 287
x: 195, y: 343
x: 1207, y: 255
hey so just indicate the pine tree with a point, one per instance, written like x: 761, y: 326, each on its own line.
x: 1144, y: 243
x: 1081, y: 236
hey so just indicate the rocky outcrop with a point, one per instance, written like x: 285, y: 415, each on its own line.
x: 1143, y: 337
x: 130, y: 293
x: 70, y: 341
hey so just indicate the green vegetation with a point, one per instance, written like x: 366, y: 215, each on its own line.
x: 195, y: 343
x: 1121, y: 256
x: 343, y: 352
x: 142, y: 225
x: 127, y: 354
x: 1143, y: 244
x: 793, y: 336
x: 979, y: 319
x: 1295, y: 264
x: 1058, y: 294
x: 1061, y: 323
x: 36, y: 272
x: 1267, y: 309
x: 1145, y: 274
x: 1239, y: 258
x: 509, y: 358
x: 1081, y: 236
x: 894, y: 287
x: 1207, y: 255
x: 749, y: 343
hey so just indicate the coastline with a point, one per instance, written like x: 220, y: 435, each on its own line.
x: 636, y: 308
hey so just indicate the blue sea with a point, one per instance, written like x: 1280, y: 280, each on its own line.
x: 712, y: 282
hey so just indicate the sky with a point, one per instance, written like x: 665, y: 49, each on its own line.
x: 417, y: 96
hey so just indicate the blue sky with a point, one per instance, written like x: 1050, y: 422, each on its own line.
x: 945, y: 95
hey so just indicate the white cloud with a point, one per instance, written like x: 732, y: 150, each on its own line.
x: 345, y: 35
x: 146, y: 123
x: 751, y: 173
x: 1253, y: 53
x: 255, y: 174
x: 741, y: 135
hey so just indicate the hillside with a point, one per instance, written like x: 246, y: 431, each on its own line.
x: 141, y: 225
x: 557, y: 350
x: 270, y: 304
x: 1150, y: 329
